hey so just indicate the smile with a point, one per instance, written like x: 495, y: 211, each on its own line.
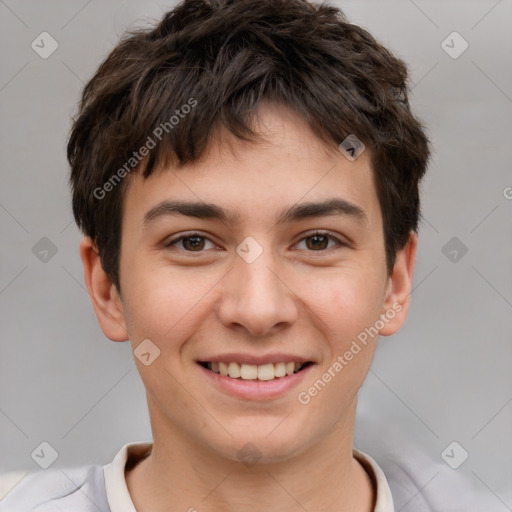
x: 263, y: 372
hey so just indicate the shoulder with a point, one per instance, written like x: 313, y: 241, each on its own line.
x: 80, y: 489
x: 421, y: 483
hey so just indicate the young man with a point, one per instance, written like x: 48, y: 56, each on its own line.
x: 246, y: 176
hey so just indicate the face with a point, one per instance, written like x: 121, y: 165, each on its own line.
x: 274, y: 261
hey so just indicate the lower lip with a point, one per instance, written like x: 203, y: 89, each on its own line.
x: 256, y: 389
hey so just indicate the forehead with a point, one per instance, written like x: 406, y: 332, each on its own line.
x: 288, y: 166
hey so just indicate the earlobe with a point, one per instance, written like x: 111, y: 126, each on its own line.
x: 104, y: 295
x: 399, y: 286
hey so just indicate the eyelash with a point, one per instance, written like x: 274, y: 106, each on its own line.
x: 172, y: 242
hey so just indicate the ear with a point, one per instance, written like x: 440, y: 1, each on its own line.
x: 399, y: 285
x: 104, y: 295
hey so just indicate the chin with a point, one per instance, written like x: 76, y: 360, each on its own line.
x: 263, y: 445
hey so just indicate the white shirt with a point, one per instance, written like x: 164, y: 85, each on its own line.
x: 103, y: 488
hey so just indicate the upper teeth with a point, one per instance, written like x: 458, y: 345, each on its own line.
x: 253, y: 371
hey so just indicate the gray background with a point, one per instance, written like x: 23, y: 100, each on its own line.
x: 446, y: 376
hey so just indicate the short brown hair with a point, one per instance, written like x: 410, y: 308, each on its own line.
x: 224, y: 57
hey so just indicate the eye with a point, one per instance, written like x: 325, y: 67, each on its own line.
x: 319, y: 242
x: 192, y: 242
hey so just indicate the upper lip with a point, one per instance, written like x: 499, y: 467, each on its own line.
x: 255, y: 359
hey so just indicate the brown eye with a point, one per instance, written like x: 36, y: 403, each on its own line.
x: 320, y: 242
x: 193, y: 243
x: 317, y: 242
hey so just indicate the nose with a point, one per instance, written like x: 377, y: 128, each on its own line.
x: 257, y: 298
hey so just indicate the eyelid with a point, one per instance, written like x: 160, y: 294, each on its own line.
x: 303, y: 236
x: 341, y: 241
x: 188, y: 234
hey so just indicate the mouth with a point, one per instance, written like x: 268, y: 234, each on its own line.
x: 255, y: 372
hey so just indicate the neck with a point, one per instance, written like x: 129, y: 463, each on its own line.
x: 180, y: 475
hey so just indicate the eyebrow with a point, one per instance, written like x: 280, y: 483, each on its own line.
x: 335, y: 206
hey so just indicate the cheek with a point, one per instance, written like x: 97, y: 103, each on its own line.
x: 162, y: 303
x: 344, y: 310
x: 345, y: 302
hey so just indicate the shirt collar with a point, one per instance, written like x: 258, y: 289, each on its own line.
x: 120, y: 501
x: 384, y: 501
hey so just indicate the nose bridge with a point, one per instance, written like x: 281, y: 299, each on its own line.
x: 254, y: 262
x: 258, y: 282
x: 254, y: 295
